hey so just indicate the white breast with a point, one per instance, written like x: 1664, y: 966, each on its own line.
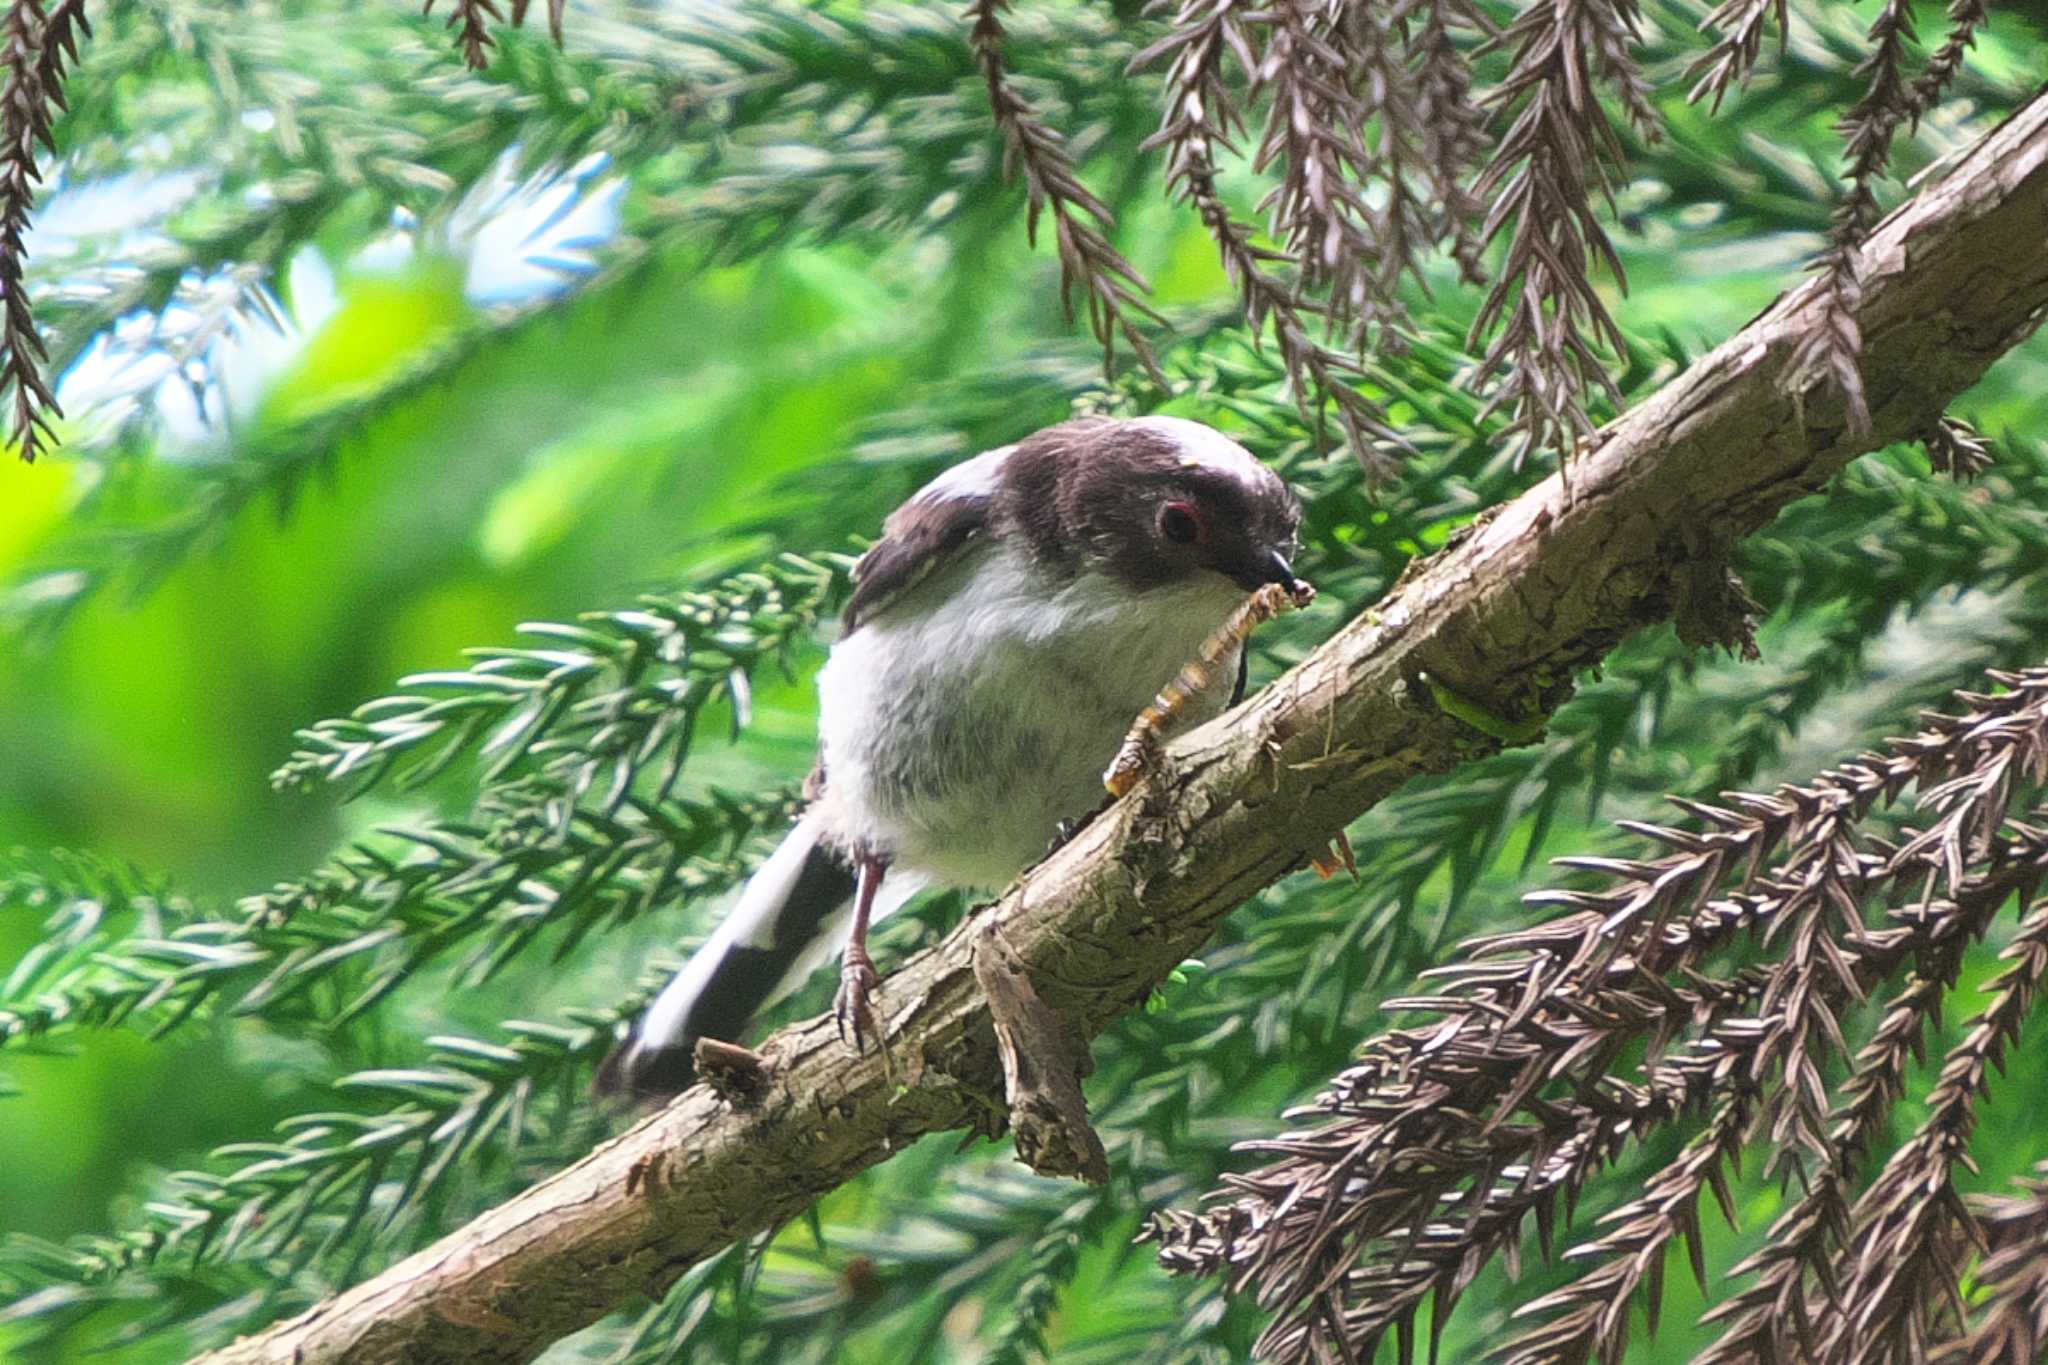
x: 961, y: 726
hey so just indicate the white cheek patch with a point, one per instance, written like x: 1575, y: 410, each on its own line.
x: 1206, y: 448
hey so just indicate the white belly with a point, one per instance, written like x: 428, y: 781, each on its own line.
x: 962, y: 724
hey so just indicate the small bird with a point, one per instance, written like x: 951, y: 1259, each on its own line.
x: 1016, y: 615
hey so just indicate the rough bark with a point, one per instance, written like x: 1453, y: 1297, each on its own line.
x: 1505, y: 617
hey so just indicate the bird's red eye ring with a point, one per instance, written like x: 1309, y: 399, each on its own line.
x: 1180, y: 523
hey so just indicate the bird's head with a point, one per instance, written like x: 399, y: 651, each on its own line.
x: 1153, y: 502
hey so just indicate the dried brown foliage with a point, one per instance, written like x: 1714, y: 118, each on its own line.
x: 1544, y: 313
x: 1704, y: 986
x: 471, y: 20
x: 2012, y: 1328
x: 1965, y: 18
x: 1370, y: 125
x: 1081, y: 221
x: 38, y: 44
x: 1203, y: 116
x: 1384, y: 150
x: 1957, y: 450
x: 1732, y: 56
x: 1383, y: 146
x: 1831, y: 353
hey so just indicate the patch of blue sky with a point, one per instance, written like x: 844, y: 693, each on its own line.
x: 207, y: 358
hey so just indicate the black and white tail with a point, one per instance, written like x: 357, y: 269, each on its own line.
x: 792, y: 916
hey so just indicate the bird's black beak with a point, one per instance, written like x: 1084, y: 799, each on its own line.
x: 1270, y: 567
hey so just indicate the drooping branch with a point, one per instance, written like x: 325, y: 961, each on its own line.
x: 1089, y: 261
x: 471, y: 21
x: 1201, y: 120
x: 1543, y: 312
x: 1506, y: 617
x: 1894, y: 1285
x: 1831, y: 350
x: 1460, y: 1126
x: 37, y: 47
x: 2013, y: 1326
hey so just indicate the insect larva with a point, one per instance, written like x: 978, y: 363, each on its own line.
x: 1136, y: 752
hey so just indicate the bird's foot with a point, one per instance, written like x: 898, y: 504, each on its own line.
x: 1142, y: 755
x: 1063, y: 833
x: 853, y: 1007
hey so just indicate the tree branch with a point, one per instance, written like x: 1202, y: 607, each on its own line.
x: 1503, y: 618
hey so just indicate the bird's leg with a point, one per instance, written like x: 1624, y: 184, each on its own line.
x: 857, y: 979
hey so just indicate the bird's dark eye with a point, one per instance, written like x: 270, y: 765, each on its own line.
x: 1180, y: 523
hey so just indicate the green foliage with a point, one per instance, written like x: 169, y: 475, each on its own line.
x: 607, y: 704
x: 818, y: 293
x: 576, y: 825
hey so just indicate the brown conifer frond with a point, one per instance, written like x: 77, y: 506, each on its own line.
x: 1770, y: 1315
x: 2012, y: 1328
x: 1202, y: 114
x: 1592, y: 1313
x: 471, y: 20
x: 1832, y: 351
x: 1897, y: 1280
x: 1966, y: 18
x: 1737, y: 1064
x: 1373, y: 126
x: 1544, y: 314
x: 1433, y: 1151
x: 1081, y: 221
x: 1957, y: 449
x: 37, y: 47
x: 1382, y: 149
x: 1328, y: 74
x: 1733, y: 55
x: 1455, y: 137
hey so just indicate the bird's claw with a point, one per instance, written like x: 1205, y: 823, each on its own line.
x: 1063, y: 833
x: 1142, y: 754
x: 854, y: 1006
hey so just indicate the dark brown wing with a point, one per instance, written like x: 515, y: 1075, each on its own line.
x: 920, y: 537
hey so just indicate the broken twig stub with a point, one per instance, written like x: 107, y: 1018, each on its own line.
x: 1042, y: 1069
x: 738, y: 1074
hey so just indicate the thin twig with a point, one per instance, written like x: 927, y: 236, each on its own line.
x: 37, y: 48
x: 1089, y: 261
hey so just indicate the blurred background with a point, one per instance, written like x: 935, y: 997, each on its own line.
x: 367, y: 359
